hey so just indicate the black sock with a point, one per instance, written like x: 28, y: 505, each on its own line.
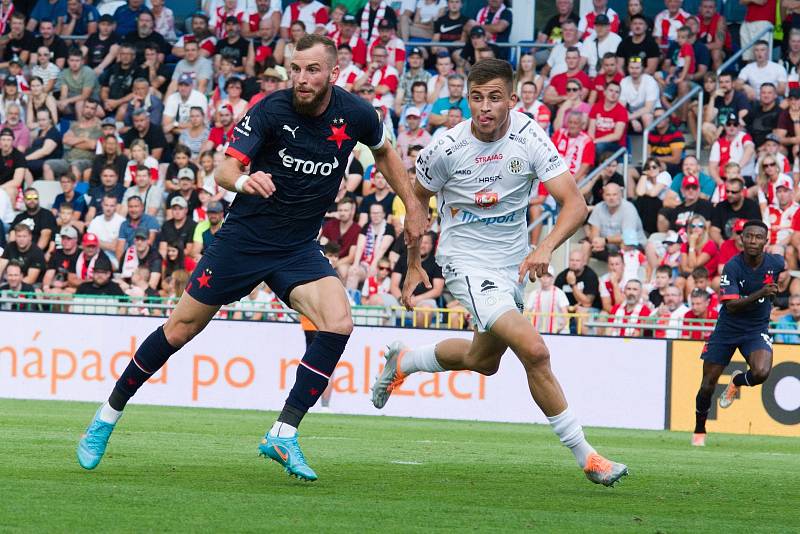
x: 744, y: 379
x: 703, y: 405
x: 153, y: 353
x: 313, y: 373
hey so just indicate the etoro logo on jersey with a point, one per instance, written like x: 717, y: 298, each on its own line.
x: 307, y: 166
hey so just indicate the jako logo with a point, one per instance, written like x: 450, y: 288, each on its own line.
x: 502, y: 219
x: 480, y: 160
x: 307, y: 166
x: 463, y: 172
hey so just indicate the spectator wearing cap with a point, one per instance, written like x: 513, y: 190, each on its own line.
x: 46, y: 145
x: 437, y: 84
x: 68, y: 195
x: 455, y: 99
x: 60, y: 276
x: 450, y: 27
x: 80, y: 19
x: 180, y: 227
x: 187, y: 190
x: 101, y: 282
x: 199, y: 68
x: 107, y: 226
x: 780, y: 214
x: 101, y: 48
x: 20, y: 41
x: 78, y: 83
x: 200, y: 33
x: 676, y: 216
x: 371, y: 15
x: 151, y: 194
x: 313, y: 14
x: 733, y: 145
x: 220, y: 136
x: 270, y: 82
x: 724, y: 101
x: 382, y: 76
x: 602, y: 42
x: 414, y: 73
x: 468, y: 56
x: 39, y: 220
x: 126, y: 15
x: 179, y: 104
x: 788, y: 127
x: 735, y: 206
x: 233, y: 45
x: 85, y: 262
x: 205, y: 230
x: 412, y: 135
x: 24, y: 252
x: 81, y: 140
x: 760, y: 72
x: 10, y: 95
x: 587, y: 22
x: 639, y: 44
x: 690, y: 166
x: 12, y: 164
x: 395, y: 47
x: 136, y: 219
x: 351, y: 36
x: 116, y: 82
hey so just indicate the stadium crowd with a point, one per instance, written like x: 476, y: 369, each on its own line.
x: 126, y: 115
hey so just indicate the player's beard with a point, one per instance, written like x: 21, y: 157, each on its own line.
x: 312, y: 106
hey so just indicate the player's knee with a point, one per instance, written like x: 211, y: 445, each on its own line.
x: 180, y: 332
x: 338, y: 325
x: 760, y: 373
x: 535, y: 356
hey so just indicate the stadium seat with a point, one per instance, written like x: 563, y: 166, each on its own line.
x: 47, y: 192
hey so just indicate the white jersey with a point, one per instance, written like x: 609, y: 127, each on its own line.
x: 483, y: 190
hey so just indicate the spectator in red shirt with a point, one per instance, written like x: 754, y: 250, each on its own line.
x: 556, y: 92
x: 350, y: 36
x: 733, y: 246
x: 699, y: 251
x: 608, y: 73
x: 608, y: 121
x: 344, y: 232
x: 630, y: 312
x: 219, y: 136
x: 679, y: 67
x: 700, y: 309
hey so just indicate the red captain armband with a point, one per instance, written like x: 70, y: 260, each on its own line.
x: 232, y: 152
x: 723, y: 298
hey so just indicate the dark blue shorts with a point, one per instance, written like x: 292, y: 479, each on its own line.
x: 719, y: 349
x: 225, y: 274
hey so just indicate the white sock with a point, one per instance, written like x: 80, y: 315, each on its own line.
x: 570, y: 432
x: 420, y: 359
x: 109, y: 414
x: 282, y: 430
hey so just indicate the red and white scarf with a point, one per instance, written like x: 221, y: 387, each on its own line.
x: 483, y: 14
x: 379, y: 14
x: 621, y: 318
x: 130, y: 263
x: 541, y: 315
x: 84, y: 269
x: 5, y: 16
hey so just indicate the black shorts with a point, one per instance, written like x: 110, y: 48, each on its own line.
x: 225, y: 274
x: 719, y: 348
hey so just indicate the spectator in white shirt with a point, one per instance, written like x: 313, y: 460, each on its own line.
x: 179, y: 103
x: 639, y: 94
x: 761, y: 71
x: 549, y: 306
x: 596, y: 46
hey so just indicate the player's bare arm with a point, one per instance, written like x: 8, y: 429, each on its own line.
x: 742, y: 304
x: 388, y: 162
x: 572, y: 216
x: 232, y: 176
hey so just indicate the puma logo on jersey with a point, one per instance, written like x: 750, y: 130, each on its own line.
x: 291, y: 130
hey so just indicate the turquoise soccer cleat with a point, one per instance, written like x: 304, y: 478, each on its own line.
x: 92, y: 445
x: 286, y: 451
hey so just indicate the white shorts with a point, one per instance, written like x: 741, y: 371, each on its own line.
x: 487, y: 293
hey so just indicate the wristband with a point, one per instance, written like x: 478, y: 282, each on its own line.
x: 239, y: 186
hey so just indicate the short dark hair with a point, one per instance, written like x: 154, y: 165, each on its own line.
x: 312, y: 39
x: 419, y: 84
x: 761, y: 42
x: 609, y: 55
x: 613, y: 82
x: 700, y: 272
x: 755, y: 222
x: 699, y: 293
x: 665, y: 269
x: 344, y: 46
x: 640, y: 17
x: 109, y: 167
x: 331, y: 248
x: 487, y: 70
x: 111, y: 195
x: 75, y: 52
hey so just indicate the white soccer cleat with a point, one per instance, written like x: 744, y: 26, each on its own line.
x: 391, y: 377
x: 731, y: 392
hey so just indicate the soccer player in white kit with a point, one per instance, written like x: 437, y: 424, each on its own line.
x: 482, y: 172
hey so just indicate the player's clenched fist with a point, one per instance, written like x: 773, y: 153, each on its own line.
x: 258, y: 183
x: 535, y: 265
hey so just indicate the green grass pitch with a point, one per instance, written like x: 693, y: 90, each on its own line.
x: 190, y: 470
